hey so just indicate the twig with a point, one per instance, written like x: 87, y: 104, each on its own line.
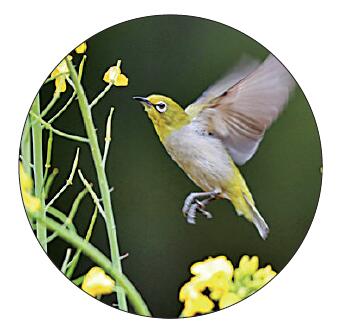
x: 49, y: 182
x: 68, y: 181
x: 58, y: 132
x: 92, y: 194
x: 73, y: 263
x: 100, y: 96
x: 66, y: 261
x: 54, y: 99
x: 48, y: 155
x: 108, y: 137
x: 50, y: 121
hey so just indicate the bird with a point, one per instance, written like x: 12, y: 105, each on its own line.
x: 222, y: 130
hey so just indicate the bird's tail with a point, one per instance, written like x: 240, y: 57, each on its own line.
x: 243, y: 203
x: 257, y: 219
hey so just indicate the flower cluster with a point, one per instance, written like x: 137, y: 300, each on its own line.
x: 226, y: 285
x: 97, y: 283
x: 32, y: 203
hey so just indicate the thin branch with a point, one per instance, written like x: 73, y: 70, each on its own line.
x: 58, y: 132
x: 92, y: 193
x: 73, y: 263
x: 108, y: 137
x: 68, y: 181
x: 54, y: 99
x: 65, y: 107
x: 49, y: 182
x: 48, y: 155
x: 66, y: 260
x: 100, y: 96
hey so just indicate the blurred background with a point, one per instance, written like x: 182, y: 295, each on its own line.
x: 180, y: 56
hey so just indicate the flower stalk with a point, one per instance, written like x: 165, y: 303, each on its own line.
x: 102, y: 179
x: 37, y: 136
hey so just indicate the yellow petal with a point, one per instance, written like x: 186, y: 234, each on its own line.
x: 207, y: 268
x: 121, y: 80
x: 228, y: 299
x: 112, y: 74
x: 96, y: 282
x: 201, y: 304
x: 248, y: 266
x: 26, y: 182
x: 81, y: 48
x: 60, y: 84
x: 32, y: 203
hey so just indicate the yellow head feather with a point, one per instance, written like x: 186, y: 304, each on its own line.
x: 167, y: 116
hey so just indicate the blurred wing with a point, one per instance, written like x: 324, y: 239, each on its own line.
x: 240, y: 115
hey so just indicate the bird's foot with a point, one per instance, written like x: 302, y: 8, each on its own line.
x: 192, y: 205
x: 189, y: 201
x: 198, y: 206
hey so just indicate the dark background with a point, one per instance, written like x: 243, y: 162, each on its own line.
x: 180, y: 56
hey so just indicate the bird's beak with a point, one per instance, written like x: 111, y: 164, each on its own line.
x: 143, y: 100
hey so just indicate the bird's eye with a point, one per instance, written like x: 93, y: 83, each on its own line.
x: 161, y: 106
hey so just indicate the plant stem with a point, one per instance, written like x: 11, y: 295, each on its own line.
x: 56, y: 131
x: 26, y: 147
x: 73, y: 263
x: 66, y: 261
x: 102, y: 179
x: 101, y: 260
x: 108, y: 137
x: 100, y: 96
x: 37, y: 144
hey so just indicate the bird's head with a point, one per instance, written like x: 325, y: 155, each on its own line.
x: 167, y: 116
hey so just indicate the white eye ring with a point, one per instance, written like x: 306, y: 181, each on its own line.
x: 161, y: 106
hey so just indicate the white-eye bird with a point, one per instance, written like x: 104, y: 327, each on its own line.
x: 222, y: 128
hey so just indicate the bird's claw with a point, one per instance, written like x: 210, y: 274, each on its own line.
x: 195, y: 207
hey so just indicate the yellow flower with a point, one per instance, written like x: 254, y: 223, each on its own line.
x: 194, y: 301
x: 247, y: 266
x: 264, y: 275
x: 32, y: 203
x: 114, y: 76
x: 211, y: 266
x: 97, y: 283
x: 228, y: 299
x: 81, y: 48
x: 225, y: 285
x: 60, y: 73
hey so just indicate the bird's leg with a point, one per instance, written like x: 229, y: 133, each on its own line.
x: 192, y: 205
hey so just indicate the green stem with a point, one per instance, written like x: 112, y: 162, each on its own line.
x: 73, y: 263
x: 102, y: 179
x: 26, y: 147
x: 66, y: 261
x: 37, y: 135
x: 56, y: 131
x: 102, y: 261
x: 51, y: 103
x: 100, y: 96
x: 48, y: 155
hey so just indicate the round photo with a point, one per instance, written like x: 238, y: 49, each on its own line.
x: 170, y: 166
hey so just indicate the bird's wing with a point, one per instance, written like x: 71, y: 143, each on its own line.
x: 240, y: 113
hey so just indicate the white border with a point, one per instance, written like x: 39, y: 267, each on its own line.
x: 304, y: 35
